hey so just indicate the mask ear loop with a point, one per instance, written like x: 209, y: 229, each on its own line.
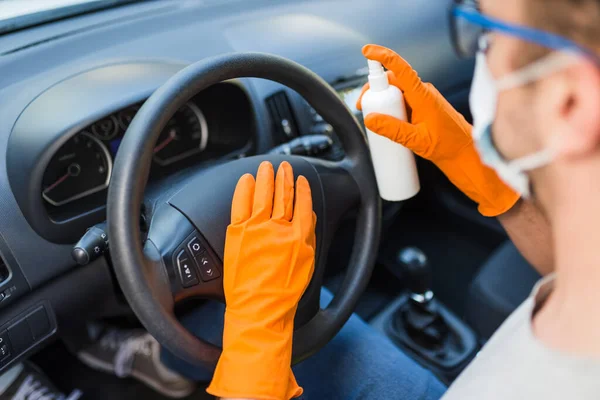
x: 533, y: 161
x: 544, y: 66
x: 525, y: 163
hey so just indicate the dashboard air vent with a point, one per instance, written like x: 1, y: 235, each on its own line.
x: 284, y: 123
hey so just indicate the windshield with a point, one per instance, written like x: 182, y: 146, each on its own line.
x: 18, y: 14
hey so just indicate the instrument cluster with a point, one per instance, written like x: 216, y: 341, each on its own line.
x: 83, y: 165
x: 215, y: 125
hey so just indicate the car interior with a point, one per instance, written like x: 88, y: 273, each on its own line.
x: 124, y: 126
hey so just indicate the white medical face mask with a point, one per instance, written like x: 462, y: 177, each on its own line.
x: 483, y: 101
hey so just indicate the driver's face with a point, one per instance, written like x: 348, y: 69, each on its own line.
x: 515, y: 122
x: 558, y: 111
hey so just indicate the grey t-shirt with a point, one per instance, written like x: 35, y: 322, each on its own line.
x: 514, y: 364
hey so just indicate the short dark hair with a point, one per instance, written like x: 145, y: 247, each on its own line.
x: 578, y: 20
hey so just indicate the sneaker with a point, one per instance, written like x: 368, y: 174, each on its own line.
x: 134, y: 353
x: 27, y: 382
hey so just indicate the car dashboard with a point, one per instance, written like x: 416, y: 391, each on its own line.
x: 70, y: 89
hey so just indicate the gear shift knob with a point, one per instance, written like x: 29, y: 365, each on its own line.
x: 415, y: 267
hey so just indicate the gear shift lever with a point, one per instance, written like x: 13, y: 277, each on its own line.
x: 421, y: 325
x: 415, y: 266
x: 420, y: 315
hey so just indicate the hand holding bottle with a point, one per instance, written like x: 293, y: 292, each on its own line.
x: 437, y: 132
x: 394, y: 165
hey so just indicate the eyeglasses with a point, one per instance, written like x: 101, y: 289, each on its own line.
x: 468, y: 27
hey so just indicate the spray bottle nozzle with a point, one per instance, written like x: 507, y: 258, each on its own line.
x: 377, y: 77
x: 375, y: 68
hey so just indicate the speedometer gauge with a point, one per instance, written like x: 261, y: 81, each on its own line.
x: 186, y: 134
x: 82, y: 166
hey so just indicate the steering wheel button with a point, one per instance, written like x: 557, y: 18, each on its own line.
x: 187, y: 271
x: 4, y: 352
x: 4, y: 346
x: 208, y: 272
x: 195, y: 247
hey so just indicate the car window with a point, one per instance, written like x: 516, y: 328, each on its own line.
x: 19, y: 14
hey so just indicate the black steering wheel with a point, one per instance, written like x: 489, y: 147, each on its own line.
x: 180, y: 255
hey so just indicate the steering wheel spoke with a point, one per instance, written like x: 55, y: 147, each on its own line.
x: 193, y: 268
x: 340, y: 190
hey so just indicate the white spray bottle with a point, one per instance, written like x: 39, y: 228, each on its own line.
x: 395, y: 166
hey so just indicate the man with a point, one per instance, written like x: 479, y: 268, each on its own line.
x: 535, y: 101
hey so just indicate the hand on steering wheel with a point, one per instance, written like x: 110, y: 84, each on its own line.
x: 269, y: 262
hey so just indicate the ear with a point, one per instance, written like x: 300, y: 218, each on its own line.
x: 577, y: 128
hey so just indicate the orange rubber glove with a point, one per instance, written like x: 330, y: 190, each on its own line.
x: 439, y: 133
x: 269, y: 261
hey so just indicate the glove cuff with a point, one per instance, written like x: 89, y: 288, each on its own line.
x: 256, y: 359
x: 479, y: 182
